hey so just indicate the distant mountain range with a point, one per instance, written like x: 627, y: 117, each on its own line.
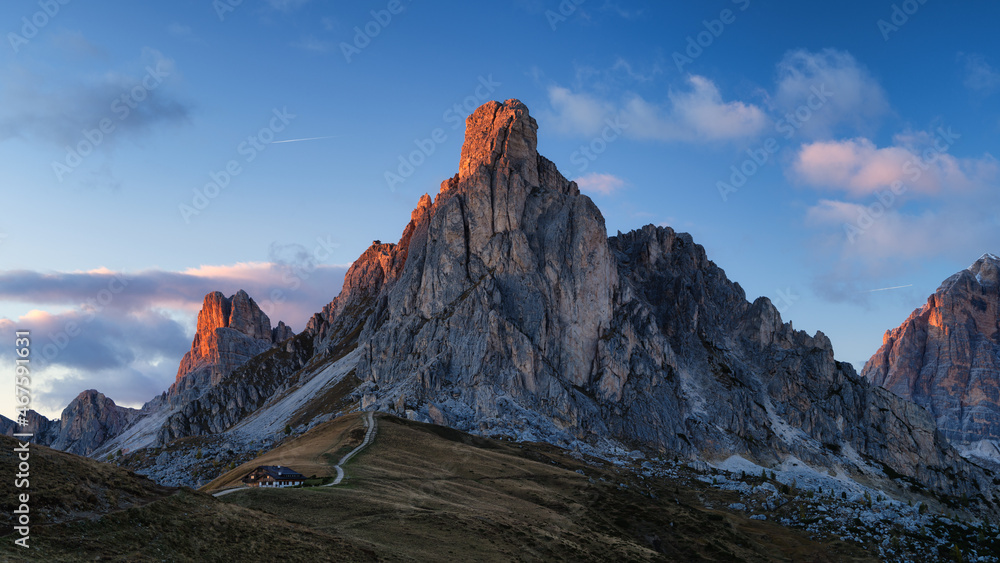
x: 506, y: 310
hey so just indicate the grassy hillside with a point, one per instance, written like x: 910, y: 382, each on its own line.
x: 65, y: 487
x: 418, y: 493
x: 428, y: 493
x: 313, y: 453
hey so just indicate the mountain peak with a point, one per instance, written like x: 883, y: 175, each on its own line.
x: 230, y: 331
x: 986, y: 269
x: 944, y: 356
x: 499, y: 133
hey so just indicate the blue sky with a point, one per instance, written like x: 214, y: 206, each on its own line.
x: 875, y: 123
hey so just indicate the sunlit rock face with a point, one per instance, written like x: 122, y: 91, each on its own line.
x: 946, y: 357
x: 506, y: 309
x: 230, y: 332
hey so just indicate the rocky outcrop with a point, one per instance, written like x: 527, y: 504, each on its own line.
x: 230, y: 332
x: 87, y: 422
x: 946, y: 357
x: 43, y: 430
x: 506, y: 309
x: 90, y: 420
x: 241, y: 392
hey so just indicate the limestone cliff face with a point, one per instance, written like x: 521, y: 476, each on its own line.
x: 230, y: 332
x: 87, y: 422
x: 502, y: 286
x: 240, y: 392
x: 505, y: 308
x: 946, y: 356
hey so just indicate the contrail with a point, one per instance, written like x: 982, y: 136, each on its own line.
x: 307, y: 139
x: 888, y: 288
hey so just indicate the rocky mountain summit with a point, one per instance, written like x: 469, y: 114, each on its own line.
x: 946, y: 358
x: 230, y: 332
x: 506, y: 309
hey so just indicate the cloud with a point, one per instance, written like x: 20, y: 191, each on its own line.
x: 820, y: 94
x: 131, y: 357
x: 125, y: 334
x: 603, y: 184
x: 112, y: 339
x: 859, y: 243
x: 180, y: 30
x: 54, y: 109
x: 623, y: 66
x: 919, y: 161
x: 290, y: 291
x: 856, y: 99
x: 697, y: 113
x: 624, y: 13
x: 980, y: 77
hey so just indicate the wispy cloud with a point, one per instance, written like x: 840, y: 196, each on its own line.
x: 696, y: 113
x: 602, y: 184
x: 979, y: 75
x: 857, y: 101
x: 696, y: 110
x: 52, y: 108
x: 76, y: 45
x: 286, y: 5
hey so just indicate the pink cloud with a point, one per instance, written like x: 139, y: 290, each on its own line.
x: 860, y: 168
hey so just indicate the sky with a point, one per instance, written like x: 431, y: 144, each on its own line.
x: 152, y: 152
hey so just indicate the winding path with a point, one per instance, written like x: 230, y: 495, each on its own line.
x: 227, y: 491
x: 369, y: 436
